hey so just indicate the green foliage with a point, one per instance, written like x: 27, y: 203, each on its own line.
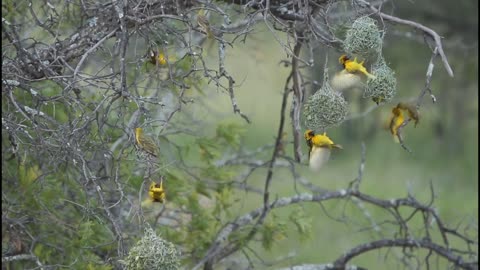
x: 13, y: 11
x: 91, y: 233
x: 302, y: 222
x: 209, y: 149
x: 227, y: 135
x: 219, y: 173
x: 152, y: 253
x: 201, y: 229
x: 230, y: 134
x: 176, y: 183
x: 273, y: 230
x: 201, y: 188
x: 27, y: 175
x: 48, y: 88
x: 49, y: 201
x: 44, y: 252
x: 67, y: 218
x: 223, y: 201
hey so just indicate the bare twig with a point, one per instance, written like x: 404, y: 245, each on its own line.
x: 400, y: 138
x: 384, y: 243
x: 212, y: 253
x: 297, y: 102
x: 428, y: 81
x: 90, y: 50
x: 426, y: 30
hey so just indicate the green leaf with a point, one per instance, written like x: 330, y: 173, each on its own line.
x: 231, y: 133
x: 209, y: 149
x: 273, y: 230
x: 302, y: 222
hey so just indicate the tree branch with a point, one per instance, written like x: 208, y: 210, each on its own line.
x: 426, y: 30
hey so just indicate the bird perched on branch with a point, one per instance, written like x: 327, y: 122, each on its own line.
x: 205, y: 25
x: 156, y: 192
x: 320, y: 146
x: 157, y: 58
x: 145, y: 143
x: 351, y: 76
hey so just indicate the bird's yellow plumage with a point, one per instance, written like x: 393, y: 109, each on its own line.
x: 351, y: 76
x: 320, y: 146
x: 398, y: 117
x: 156, y: 192
x: 411, y: 110
x: 160, y: 58
x: 322, y: 140
x: 353, y: 66
x: 145, y: 143
x: 396, y: 122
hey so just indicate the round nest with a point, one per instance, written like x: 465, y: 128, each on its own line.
x: 152, y: 252
x: 363, y: 38
x: 384, y: 86
x: 324, y: 109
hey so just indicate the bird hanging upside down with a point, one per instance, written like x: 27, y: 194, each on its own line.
x: 156, y: 192
x: 351, y: 76
x: 320, y: 146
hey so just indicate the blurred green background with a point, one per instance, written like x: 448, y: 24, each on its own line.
x: 444, y: 144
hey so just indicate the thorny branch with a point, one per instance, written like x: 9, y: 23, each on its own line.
x: 215, y: 251
x: 426, y: 89
x: 231, y: 82
x: 456, y: 260
x: 158, y: 94
x: 428, y: 31
x: 392, y: 206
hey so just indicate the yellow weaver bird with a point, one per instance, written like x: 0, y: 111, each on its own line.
x: 159, y: 58
x: 396, y: 121
x: 145, y: 143
x: 354, y: 66
x: 205, y: 25
x: 411, y: 110
x: 320, y: 146
x: 156, y: 192
x: 399, y: 113
x: 350, y: 76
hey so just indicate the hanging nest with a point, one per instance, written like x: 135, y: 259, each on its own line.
x: 325, y: 108
x: 152, y: 252
x: 384, y: 87
x: 363, y: 38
